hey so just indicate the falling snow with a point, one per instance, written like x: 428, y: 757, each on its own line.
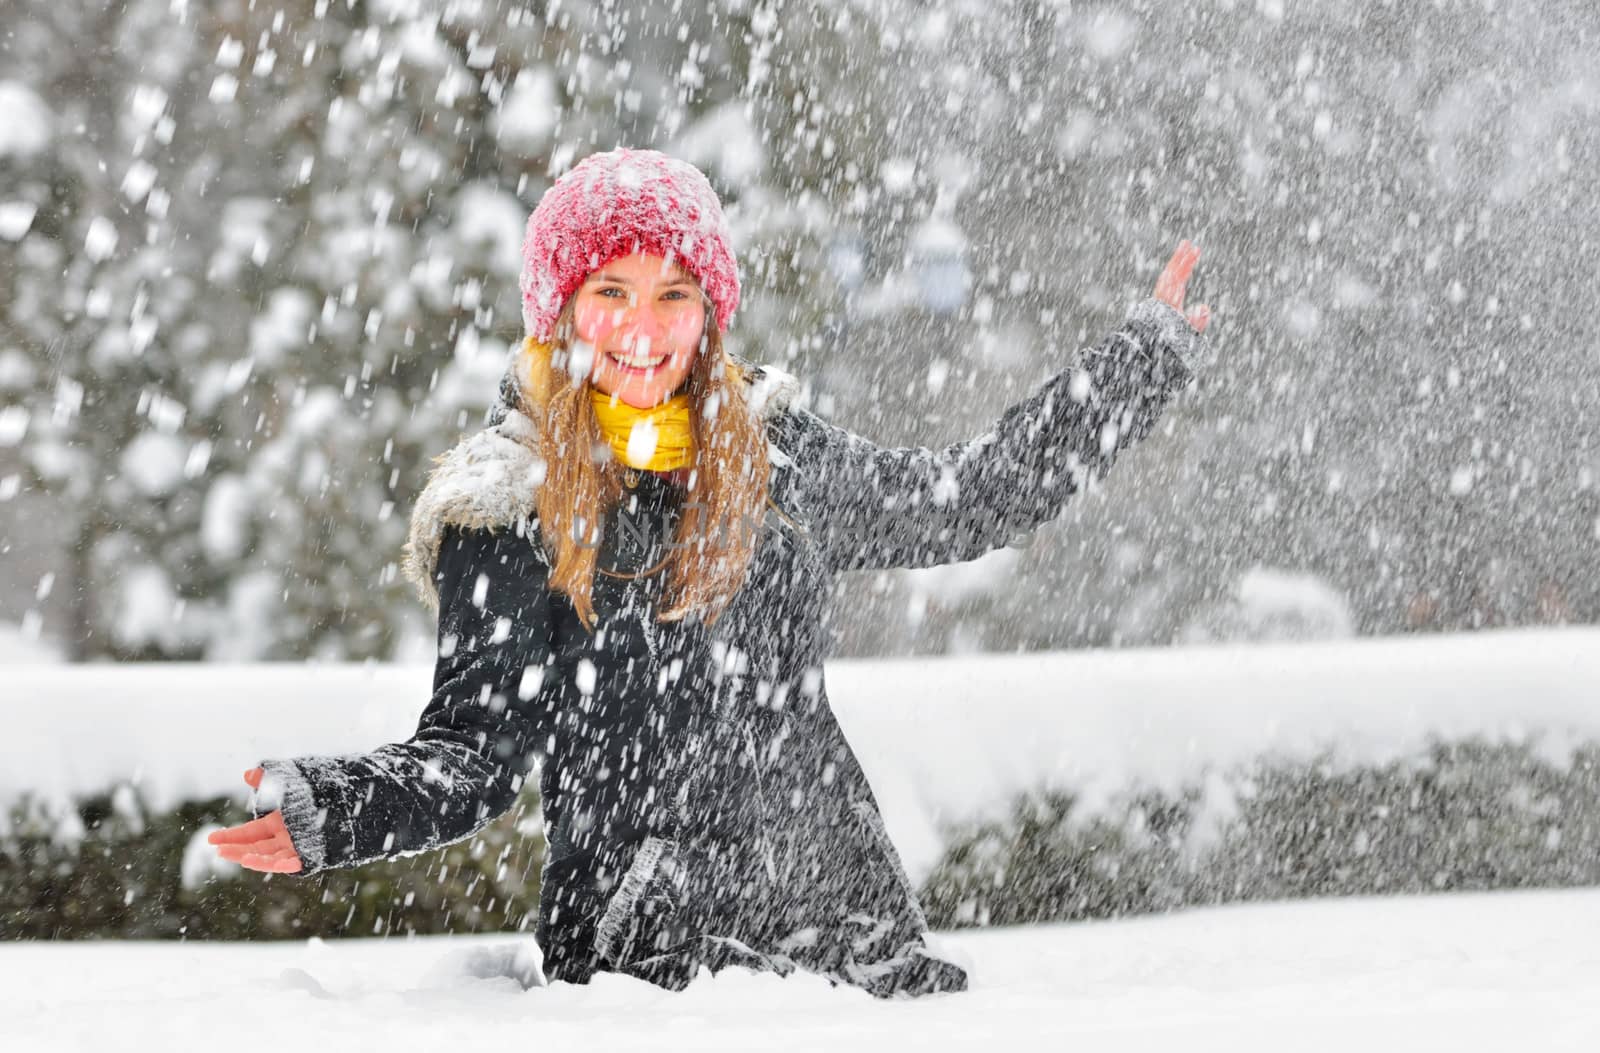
x: 259, y: 278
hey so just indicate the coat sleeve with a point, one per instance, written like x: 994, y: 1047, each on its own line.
x: 478, y: 737
x: 872, y: 507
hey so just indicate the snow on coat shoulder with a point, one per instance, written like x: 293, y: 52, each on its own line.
x: 490, y: 478
x: 487, y: 480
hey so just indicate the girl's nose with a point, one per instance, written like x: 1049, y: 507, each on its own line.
x: 641, y: 321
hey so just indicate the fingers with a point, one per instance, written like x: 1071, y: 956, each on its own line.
x: 1169, y: 287
x: 1174, y: 278
x: 260, y: 844
x: 265, y: 846
x: 253, y: 777
x: 247, y: 833
x: 282, y: 861
x: 237, y: 853
x: 1200, y: 317
x: 274, y: 850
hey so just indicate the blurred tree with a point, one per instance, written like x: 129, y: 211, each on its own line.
x: 258, y: 265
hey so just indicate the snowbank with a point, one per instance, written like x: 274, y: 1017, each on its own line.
x: 956, y: 739
x: 1458, y: 973
x: 943, y: 740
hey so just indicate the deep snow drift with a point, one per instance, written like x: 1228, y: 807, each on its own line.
x: 1459, y: 973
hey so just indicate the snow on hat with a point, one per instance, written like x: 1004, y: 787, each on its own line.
x: 616, y: 203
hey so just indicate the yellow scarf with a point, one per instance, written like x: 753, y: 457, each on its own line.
x: 660, y: 438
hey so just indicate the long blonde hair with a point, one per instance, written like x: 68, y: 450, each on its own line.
x: 718, y: 529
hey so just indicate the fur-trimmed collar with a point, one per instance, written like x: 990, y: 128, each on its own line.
x: 489, y: 478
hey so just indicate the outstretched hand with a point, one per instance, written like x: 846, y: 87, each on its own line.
x: 1171, y: 286
x: 260, y: 844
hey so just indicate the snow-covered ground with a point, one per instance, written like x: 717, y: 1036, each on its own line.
x: 941, y: 739
x: 1503, y: 971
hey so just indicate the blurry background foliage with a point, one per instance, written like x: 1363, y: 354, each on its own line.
x: 258, y: 264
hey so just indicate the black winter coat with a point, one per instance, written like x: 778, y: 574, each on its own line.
x: 701, y: 805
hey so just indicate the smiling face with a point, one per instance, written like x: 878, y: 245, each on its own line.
x: 644, y: 318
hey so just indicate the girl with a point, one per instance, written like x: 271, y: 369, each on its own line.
x: 630, y: 565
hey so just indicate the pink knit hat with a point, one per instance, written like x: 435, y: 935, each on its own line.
x: 616, y: 203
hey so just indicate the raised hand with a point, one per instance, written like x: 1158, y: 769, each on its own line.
x: 1170, y: 287
x: 260, y: 844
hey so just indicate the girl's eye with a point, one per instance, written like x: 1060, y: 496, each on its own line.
x: 607, y: 291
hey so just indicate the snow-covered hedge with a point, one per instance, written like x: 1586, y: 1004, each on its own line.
x: 1017, y: 786
x: 1466, y: 816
